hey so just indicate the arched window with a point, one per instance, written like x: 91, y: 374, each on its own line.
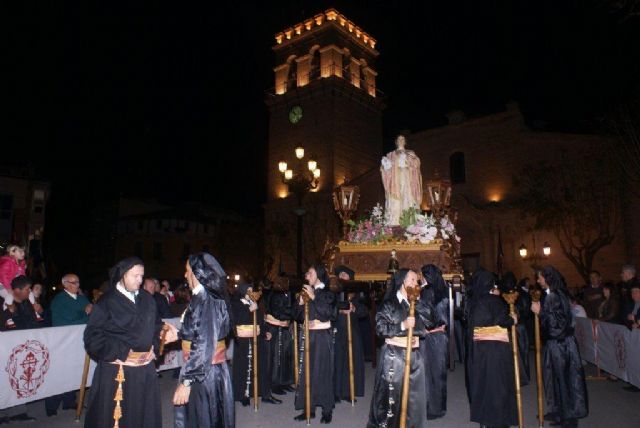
x: 457, y: 170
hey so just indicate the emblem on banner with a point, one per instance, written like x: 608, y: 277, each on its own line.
x: 27, y: 366
x: 621, y: 349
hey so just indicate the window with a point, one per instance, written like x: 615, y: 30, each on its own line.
x: 157, y: 251
x: 457, y: 170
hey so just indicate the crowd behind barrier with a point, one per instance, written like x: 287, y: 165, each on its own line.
x: 612, y: 347
x: 42, y: 362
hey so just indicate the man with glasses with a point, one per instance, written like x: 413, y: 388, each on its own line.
x: 67, y: 308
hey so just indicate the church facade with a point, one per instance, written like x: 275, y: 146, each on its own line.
x: 325, y: 75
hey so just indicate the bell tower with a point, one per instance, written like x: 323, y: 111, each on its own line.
x: 324, y: 99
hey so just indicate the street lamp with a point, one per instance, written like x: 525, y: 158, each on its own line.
x: 438, y: 196
x: 535, y: 257
x: 300, y: 180
x: 345, y: 202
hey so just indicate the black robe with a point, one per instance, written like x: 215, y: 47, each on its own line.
x: 490, y: 366
x: 341, y: 371
x: 117, y: 325
x: 564, y: 383
x: 206, y: 321
x: 243, y: 355
x: 523, y: 307
x: 435, y: 352
x: 387, y: 390
x: 280, y: 347
x: 321, y: 355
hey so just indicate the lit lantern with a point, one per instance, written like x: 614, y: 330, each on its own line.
x: 316, y: 173
x: 312, y: 165
x: 288, y: 174
x: 299, y: 152
x: 438, y: 195
x: 523, y: 251
x: 282, y: 166
x: 345, y: 202
x: 546, y: 249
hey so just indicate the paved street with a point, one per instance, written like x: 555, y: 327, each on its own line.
x: 610, y: 406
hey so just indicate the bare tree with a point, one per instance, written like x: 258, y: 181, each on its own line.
x: 578, y: 199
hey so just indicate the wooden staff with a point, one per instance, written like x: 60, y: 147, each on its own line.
x: 255, y: 296
x: 412, y: 294
x: 307, y: 366
x: 535, y: 296
x: 352, y: 387
x: 511, y: 298
x: 83, y: 387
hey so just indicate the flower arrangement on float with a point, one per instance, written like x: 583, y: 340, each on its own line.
x: 415, y: 227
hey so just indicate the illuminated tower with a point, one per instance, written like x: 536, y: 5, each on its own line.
x: 325, y: 99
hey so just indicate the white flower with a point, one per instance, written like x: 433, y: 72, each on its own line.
x: 386, y: 163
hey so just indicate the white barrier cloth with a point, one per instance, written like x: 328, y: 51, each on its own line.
x: 613, y: 347
x: 39, y: 363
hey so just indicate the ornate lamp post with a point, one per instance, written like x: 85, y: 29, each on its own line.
x: 438, y: 196
x: 300, y: 181
x: 535, y: 258
x: 345, y: 202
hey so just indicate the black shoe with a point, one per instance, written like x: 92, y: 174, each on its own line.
x: 272, y: 400
x: 22, y: 417
x: 326, y: 418
x: 288, y: 388
x: 550, y: 417
x: 337, y: 400
x: 244, y: 402
x: 631, y: 388
x: 278, y: 391
x: 303, y: 417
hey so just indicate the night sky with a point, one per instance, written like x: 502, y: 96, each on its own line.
x: 168, y: 101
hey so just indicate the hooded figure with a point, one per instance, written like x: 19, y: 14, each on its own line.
x: 278, y: 307
x: 523, y: 309
x: 350, y: 304
x: 124, y: 328
x: 564, y: 383
x: 205, y: 374
x: 391, y: 324
x: 243, y: 308
x: 322, y: 311
x: 435, y: 346
x: 491, y: 384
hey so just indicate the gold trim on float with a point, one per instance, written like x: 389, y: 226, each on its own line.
x: 400, y: 247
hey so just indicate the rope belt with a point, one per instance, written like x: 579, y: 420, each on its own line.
x: 246, y: 331
x: 319, y: 325
x: 401, y: 342
x: 218, y: 356
x: 137, y: 359
x: 494, y: 333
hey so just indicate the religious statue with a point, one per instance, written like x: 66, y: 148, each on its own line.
x: 402, y: 181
